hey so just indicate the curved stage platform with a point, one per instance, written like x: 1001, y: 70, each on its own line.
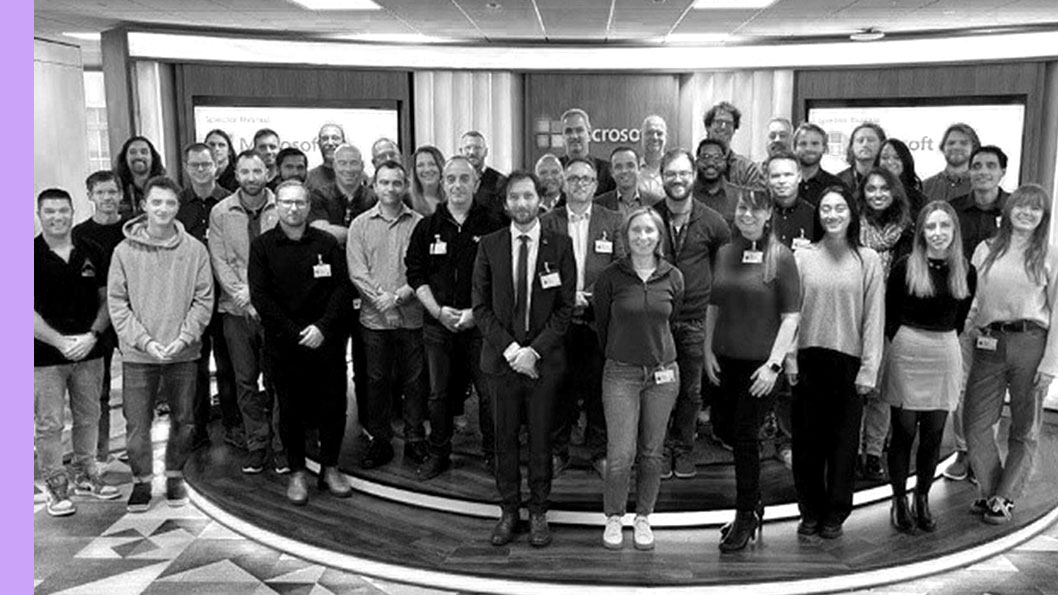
x: 436, y: 533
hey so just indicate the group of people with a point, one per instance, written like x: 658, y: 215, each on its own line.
x: 851, y: 307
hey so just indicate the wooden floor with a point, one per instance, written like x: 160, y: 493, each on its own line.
x: 393, y: 533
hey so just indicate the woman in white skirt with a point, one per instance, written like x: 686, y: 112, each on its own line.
x: 928, y: 297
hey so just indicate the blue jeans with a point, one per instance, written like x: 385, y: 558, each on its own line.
x: 404, y: 348
x: 1012, y: 366
x: 83, y: 380
x: 453, y: 362
x: 690, y: 355
x: 637, y: 411
x: 143, y: 384
x: 260, y: 416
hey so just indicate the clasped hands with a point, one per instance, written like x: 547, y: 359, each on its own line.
x: 523, y: 360
x: 456, y: 320
x: 77, y: 347
x: 166, y: 352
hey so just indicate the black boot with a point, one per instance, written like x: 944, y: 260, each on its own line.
x: 900, y: 515
x: 923, y: 517
x: 726, y: 527
x: 742, y: 530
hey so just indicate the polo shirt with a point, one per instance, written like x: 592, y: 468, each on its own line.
x: 66, y: 294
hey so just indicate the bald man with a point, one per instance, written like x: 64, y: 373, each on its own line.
x: 552, y: 178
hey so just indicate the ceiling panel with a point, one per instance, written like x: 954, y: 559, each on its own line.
x: 514, y: 19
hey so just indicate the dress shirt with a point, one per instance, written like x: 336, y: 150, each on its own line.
x: 534, y: 246
x: 649, y: 186
x: 578, y: 232
x: 375, y: 252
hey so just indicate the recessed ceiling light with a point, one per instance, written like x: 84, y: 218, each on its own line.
x: 731, y: 4
x: 86, y: 35
x: 692, y: 38
x: 868, y: 34
x: 338, y: 4
x: 493, y: 5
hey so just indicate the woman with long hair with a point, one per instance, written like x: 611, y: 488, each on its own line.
x: 839, y: 348
x: 635, y: 301
x: 426, y: 191
x: 224, y: 155
x: 896, y: 157
x: 750, y: 326
x: 1016, y: 350
x: 927, y: 299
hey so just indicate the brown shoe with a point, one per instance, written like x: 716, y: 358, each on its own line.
x: 539, y: 533
x: 331, y: 480
x: 298, y: 490
x: 504, y: 529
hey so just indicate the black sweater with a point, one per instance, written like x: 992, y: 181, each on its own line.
x: 941, y: 312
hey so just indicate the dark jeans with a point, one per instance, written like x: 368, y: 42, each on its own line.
x: 747, y: 412
x: 213, y: 342
x: 310, y: 386
x: 690, y: 356
x: 360, y: 383
x: 143, y: 384
x: 826, y: 428
x: 453, y: 362
x: 518, y: 399
x: 585, y: 357
x: 400, y: 352
x: 245, y: 339
x: 930, y: 428
x: 103, y: 440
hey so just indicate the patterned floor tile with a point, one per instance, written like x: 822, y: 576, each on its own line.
x: 221, y: 571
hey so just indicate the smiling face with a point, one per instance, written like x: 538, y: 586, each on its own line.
x: 551, y: 175
x: 580, y: 183
x: 643, y: 235
x: 986, y: 172
x: 779, y: 137
x: 251, y: 175
x: 654, y: 136
x: 138, y: 158
x: 677, y: 177
x: 938, y: 231
x: 957, y: 148
x: 200, y: 167
x: 751, y: 221
x: 890, y: 160
x: 389, y: 186
x: 348, y: 166
x: 711, y: 163
x: 1025, y: 216
x: 220, y: 149
x: 460, y: 182
x: 161, y: 206
x: 577, y: 135
x: 523, y: 203
x: 722, y: 128
x: 877, y: 194
x: 105, y: 196
x: 427, y: 169
x: 625, y: 168
x: 475, y: 150
x: 809, y: 148
x: 56, y: 217
x: 329, y: 138
x: 267, y: 147
x: 834, y: 214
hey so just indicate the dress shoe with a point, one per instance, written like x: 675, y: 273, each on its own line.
x: 559, y: 464
x: 600, y: 465
x: 504, y: 529
x: 297, y: 490
x: 923, y: 517
x: 808, y: 527
x: 539, y: 532
x: 331, y: 480
x: 378, y: 453
x: 872, y: 468
x: 831, y: 531
x: 434, y: 466
x: 415, y: 453
x: 900, y: 515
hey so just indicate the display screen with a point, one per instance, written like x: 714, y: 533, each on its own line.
x: 922, y: 128
x: 298, y: 126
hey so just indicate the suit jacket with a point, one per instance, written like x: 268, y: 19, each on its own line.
x: 603, y: 221
x: 490, y: 193
x: 549, y: 311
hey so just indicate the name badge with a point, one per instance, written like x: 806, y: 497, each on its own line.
x: 603, y: 247
x: 752, y: 257
x: 999, y: 219
x: 664, y: 376
x: 549, y: 280
x: 88, y: 270
x: 356, y: 304
x: 986, y: 343
x: 801, y: 242
x: 438, y: 248
x: 320, y: 269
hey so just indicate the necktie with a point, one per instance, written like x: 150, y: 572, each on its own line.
x: 521, y: 286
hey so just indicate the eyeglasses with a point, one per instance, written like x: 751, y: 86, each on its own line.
x: 580, y: 179
x: 292, y: 204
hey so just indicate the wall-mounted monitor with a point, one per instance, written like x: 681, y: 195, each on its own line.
x: 297, y: 125
x: 921, y: 123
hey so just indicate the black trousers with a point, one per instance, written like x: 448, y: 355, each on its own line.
x: 213, y: 342
x: 310, y: 386
x: 585, y: 357
x: 930, y: 428
x: 518, y: 399
x: 453, y: 363
x: 746, y: 414
x: 826, y: 428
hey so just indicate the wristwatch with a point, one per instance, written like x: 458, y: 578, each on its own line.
x: 775, y: 367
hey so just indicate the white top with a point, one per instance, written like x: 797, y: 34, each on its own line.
x: 534, y: 246
x: 578, y: 232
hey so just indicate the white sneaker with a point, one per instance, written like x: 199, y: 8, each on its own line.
x: 642, y: 533
x: 611, y: 535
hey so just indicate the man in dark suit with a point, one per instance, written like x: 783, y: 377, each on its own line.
x: 489, y: 194
x: 596, y: 235
x: 523, y: 296
x: 576, y: 132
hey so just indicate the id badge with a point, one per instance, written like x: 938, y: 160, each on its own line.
x: 320, y: 271
x: 986, y: 343
x: 603, y: 246
x: 356, y: 304
x: 438, y: 247
x: 664, y: 376
x: 801, y: 242
x: 752, y: 257
x: 549, y: 280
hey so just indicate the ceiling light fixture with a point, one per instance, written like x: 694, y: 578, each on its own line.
x: 337, y: 4
x: 84, y: 35
x: 868, y: 34
x: 731, y: 4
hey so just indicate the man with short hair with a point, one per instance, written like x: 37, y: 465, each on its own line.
x: 694, y: 233
x: 549, y: 171
x: 523, y: 294
x: 711, y: 187
x: 780, y: 135
x: 291, y: 164
x: 235, y: 222
x: 266, y: 145
x: 958, y: 143
x: 595, y: 232
x: 104, y: 228
x: 576, y: 132
x: 721, y: 122
x: 300, y: 286
x: 197, y: 201
x: 980, y: 210
x: 653, y: 135
x: 810, y: 144
x: 793, y: 218
x: 489, y: 194
x: 69, y: 317
x: 627, y: 196
x: 440, y: 263
x: 335, y: 207
x: 391, y: 317
x: 160, y: 295
x: 321, y: 177
x: 865, y: 143
x: 383, y: 150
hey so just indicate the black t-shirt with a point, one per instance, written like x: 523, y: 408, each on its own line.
x: 106, y: 237
x: 66, y: 294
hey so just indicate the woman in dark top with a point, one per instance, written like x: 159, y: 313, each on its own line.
x: 896, y: 157
x: 750, y: 326
x: 927, y: 298
x: 224, y: 154
x: 635, y: 300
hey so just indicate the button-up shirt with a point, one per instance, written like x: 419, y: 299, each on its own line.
x: 649, y: 185
x: 534, y: 246
x: 375, y: 251
x: 578, y: 232
x: 194, y: 210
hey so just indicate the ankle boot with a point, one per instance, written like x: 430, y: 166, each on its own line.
x: 742, y: 530
x: 923, y: 517
x: 726, y: 527
x: 900, y: 515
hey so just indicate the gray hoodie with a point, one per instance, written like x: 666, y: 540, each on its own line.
x: 159, y: 290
